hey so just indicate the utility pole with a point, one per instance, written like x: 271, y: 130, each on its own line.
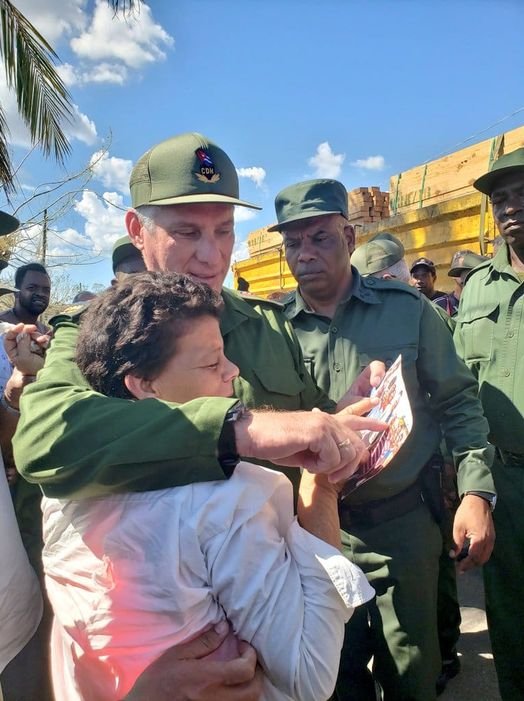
x: 44, y: 238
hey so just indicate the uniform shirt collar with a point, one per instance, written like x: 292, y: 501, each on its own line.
x: 361, y: 288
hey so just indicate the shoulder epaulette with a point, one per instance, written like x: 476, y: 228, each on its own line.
x: 254, y: 299
x: 478, y: 268
x: 377, y: 283
x: 71, y: 313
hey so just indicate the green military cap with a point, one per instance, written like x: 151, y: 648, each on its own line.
x: 312, y: 198
x: 8, y: 223
x: 123, y: 248
x: 464, y: 260
x: 186, y: 169
x: 379, y: 253
x: 512, y: 162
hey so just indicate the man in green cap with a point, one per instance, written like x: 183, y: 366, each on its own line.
x: 382, y: 256
x: 490, y: 337
x: 342, y: 320
x: 75, y: 442
x: 462, y: 263
x: 126, y: 259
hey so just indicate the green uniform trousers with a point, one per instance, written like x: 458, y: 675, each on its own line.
x: 400, y: 557
x: 448, y: 608
x: 504, y: 581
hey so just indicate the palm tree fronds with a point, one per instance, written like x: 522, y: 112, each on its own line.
x: 42, y: 97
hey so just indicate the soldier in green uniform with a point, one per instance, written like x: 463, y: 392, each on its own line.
x: 490, y: 337
x: 75, y: 442
x: 342, y: 320
x: 126, y: 259
x: 383, y: 256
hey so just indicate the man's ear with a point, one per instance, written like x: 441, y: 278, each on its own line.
x: 139, y: 387
x: 135, y: 229
x: 349, y: 233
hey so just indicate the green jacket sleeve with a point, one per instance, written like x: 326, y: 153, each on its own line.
x: 75, y: 442
x: 453, y: 393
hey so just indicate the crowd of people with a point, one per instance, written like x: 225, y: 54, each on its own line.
x: 191, y: 443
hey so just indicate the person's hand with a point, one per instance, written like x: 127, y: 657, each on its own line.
x: 196, y: 671
x: 25, y: 346
x: 314, y: 440
x: 368, y: 379
x: 473, y: 520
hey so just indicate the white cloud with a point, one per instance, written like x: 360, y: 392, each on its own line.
x: 240, y: 251
x: 68, y: 244
x: 326, y: 163
x: 55, y: 18
x: 113, y: 172
x: 370, y: 163
x: 69, y: 74
x: 103, y: 222
x: 81, y: 128
x: 244, y: 214
x: 135, y: 41
x: 254, y: 173
x: 114, y: 73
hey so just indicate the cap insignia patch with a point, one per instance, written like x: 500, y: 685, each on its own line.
x: 207, y: 167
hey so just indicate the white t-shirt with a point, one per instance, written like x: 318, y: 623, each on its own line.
x: 20, y: 597
x: 131, y: 575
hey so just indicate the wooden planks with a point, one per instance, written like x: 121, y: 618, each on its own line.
x: 450, y: 176
x: 367, y: 205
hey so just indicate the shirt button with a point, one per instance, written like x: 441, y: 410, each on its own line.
x: 334, y: 329
x: 506, y: 372
x: 337, y: 367
x: 511, y: 334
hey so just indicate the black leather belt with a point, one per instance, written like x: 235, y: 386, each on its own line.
x: 510, y: 459
x: 375, y: 512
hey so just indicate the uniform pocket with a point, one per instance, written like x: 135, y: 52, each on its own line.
x: 478, y: 328
x: 284, y: 382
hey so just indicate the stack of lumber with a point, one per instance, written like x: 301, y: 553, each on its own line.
x: 367, y: 205
x: 451, y: 176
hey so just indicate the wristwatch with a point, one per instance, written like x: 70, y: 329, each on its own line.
x: 228, y: 456
x: 487, y: 496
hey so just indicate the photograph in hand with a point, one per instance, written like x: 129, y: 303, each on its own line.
x: 395, y: 410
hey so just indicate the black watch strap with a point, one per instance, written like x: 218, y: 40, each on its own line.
x: 228, y: 456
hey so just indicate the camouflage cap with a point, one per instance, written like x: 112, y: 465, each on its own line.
x: 426, y: 262
x: 186, y: 169
x: 379, y: 253
x: 8, y: 223
x: 123, y: 248
x: 512, y: 162
x: 312, y: 198
x: 5, y: 290
x: 464, y: 260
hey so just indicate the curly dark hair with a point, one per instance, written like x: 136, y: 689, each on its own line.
x: 23, y: 269
x: 133, y: 327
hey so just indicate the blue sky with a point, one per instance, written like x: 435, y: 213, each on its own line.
x: 290, y: 88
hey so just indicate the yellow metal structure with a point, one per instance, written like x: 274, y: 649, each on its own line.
x: 436, y: 231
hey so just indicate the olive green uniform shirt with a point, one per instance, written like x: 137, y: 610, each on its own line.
x: 76, y: 442
x: 378, y: 320
x: 489, y: 336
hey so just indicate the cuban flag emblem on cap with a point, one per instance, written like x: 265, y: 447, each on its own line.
x: 207, y: 172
